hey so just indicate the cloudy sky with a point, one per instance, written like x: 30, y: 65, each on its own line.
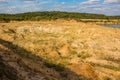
x: 107, y: 7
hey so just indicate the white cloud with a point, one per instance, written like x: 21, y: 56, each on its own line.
x: 90, y: 2
x: 2, y: 0
x: 88, y: 6
x: 62, y: 3
x: 96, y: 6
x: 44, y: 2
x: 112, y: 1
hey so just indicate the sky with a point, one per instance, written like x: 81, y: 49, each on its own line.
x: 107, y: 7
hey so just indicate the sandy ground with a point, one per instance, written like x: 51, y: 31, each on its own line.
x: 86, y: 49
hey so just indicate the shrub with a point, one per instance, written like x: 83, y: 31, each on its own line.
x: 57, y: 67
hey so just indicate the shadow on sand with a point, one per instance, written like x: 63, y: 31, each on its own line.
x: 64, y: 73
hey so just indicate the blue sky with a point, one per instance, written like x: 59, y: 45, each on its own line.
x: 107, y: 7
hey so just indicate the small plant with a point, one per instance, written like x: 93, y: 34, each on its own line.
x: 48, y: 64
x: 113, y: 49
x: 3, y: 26
x: 79, y: 55
x: 73, y: 52
x: 11, y: 31
x: 58, y: 67
x: 106, y: 78
x: 111, y: 58
x: 84, y: 55
x: 107, y: 66
x: 64, y: 57
x: 83, y: 77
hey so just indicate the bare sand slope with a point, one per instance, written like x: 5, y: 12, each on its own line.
x: 89, y: 51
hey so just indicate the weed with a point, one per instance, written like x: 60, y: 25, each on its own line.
x: 113, y: 49
x: 3, y: 26
x: 58, y: 67
x: 106, y: 78
x: 83, y: 77
x: 78, y: 55
x: 112, y: 58
x: 84, y: 55
x: 64, y: 57
x: 73, y: 52
x: 107, y: 66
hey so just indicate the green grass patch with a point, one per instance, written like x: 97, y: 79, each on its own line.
x: 107, y: 66
x: 58, y: 67
x: 84, y: 55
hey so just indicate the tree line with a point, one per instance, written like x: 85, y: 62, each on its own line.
x: 52, y: 15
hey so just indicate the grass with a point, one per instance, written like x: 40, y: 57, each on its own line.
x: 84, y: 55
x: 65, y: 57
x: 73, y: 52
x: 114, y: 49
x: 2, y: 25
x: 106, y: 78
x: 111, y: 58
x: 58, y: 67
x: 107, y: 66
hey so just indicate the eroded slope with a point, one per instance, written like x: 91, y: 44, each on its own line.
x: 86, y: 49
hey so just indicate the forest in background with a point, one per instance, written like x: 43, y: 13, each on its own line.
x: 53, y: 15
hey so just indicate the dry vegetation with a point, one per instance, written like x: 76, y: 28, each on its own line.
x: 66, y: 47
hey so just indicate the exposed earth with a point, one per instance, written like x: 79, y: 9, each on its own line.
x: 59, y: 50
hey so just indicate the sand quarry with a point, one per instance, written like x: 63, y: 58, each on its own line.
x: 68, y: 50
